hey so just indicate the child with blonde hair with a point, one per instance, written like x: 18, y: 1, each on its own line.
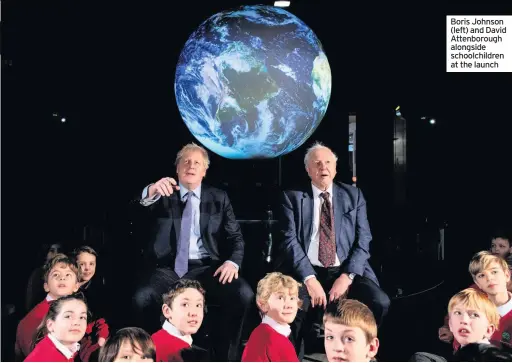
x: 278, y: 300
x: 350, y: 332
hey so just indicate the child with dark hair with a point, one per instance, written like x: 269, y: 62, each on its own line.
x: 57, y: 337
x: 129, y: 345
x: 183, y: 308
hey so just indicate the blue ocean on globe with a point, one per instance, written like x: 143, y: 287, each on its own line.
x: 252, y: 82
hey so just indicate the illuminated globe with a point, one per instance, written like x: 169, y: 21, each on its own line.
x: 253, y: 82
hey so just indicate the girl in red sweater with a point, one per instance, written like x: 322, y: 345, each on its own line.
x: 57, y: 336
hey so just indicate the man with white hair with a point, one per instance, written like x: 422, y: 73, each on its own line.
x: 325, y: 243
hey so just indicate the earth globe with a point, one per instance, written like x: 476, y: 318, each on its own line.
x: 252, y: 82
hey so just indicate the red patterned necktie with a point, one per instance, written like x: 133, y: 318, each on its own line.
x: 327, y: 245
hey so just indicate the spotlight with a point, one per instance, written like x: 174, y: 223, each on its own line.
x: 63, y: 120
x: 432, y: 121
x: 282, y: 4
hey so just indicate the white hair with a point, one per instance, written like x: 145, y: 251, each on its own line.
x: 317, y: 145
x: 193, y: 147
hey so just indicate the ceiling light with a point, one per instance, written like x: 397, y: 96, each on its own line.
x: 282, y: 4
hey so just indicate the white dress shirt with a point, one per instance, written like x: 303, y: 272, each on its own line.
x: 505, y: 308
x: 315, y: 233
x: 171, y: 329
x: 283, y: 329
x: 68, y: 353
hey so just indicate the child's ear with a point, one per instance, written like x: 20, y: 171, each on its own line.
x: 490, y: 331
x: 507, y: 274
x: 166, y: 311
x: 263, y: 306
x: 49, y: 325
x: 46, y: 288
x: 374, y: 348
x: 76, y: 287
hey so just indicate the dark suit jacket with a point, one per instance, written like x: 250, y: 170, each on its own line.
x: 352, y: 232
x: 220, y: 232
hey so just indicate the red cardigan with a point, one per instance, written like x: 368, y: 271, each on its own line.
x: 28, y: 326
x: 168, y: 347
x: 267, y: 345
x: 503, y: 335
x: 46, y: 351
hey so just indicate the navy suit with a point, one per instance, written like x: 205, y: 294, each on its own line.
x: 353, y: 236
x: 222, y: 239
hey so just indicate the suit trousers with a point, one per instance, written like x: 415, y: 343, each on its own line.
x: 361, y: 289
x: 234, y: 300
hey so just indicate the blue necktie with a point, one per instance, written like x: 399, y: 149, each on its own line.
x: 181, y: 262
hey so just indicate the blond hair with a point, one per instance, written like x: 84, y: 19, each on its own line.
x: 482, y: 260
x: 476, y: 300
x: 276, y: 282
x: 352, y: 313
x: 193, y: 147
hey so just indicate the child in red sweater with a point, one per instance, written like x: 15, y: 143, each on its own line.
x: 129, y: 345
x: 61, y: 279
x: 277, y: 298
x: 183, y: 308
x: 60, y: 331
x: 491, y: 275
x: 350, y: 332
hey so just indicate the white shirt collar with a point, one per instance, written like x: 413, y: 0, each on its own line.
x: 171, y: 329
x: 49, y: 298
x: 68, y: 353
x: 183, y: 191
x: 283, y: 329
x: 507, y: 307
x: 317, y: 192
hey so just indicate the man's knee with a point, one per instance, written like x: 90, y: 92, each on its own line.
x: 383, y: 301
x: 246, y: 295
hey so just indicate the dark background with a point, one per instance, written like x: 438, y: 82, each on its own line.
x: 109, y: 68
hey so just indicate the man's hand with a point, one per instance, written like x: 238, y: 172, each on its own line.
x: 164, y: 187
x: 445, y: 335
x: 340, y: 287
x: 227, y: 272
x: 316, y: 292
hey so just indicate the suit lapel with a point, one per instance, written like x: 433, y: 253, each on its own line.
x: 175, y: 201
x: 307, y: 217
x: 339, y: 208
x: 204, y: 208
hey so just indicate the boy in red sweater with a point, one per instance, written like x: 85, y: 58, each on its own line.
x: 350, y: 332
x: 183, y: 309
x: 62, y: 328
x: 491, y: 275
x: 277, y: 298
x: 61, y: 278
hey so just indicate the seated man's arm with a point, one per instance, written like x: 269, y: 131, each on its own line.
x: 233, y: 233
x: 288, y: 246
x: 360, y: 250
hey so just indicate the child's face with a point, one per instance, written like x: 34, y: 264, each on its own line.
x: 501, y: 247
x: 468, y: 325
x: 186, y: 312
x: 87, y: 263
x: 127, y: 353
x: 70, y: 324
x: 61, y: 281
x: 348, y: 344
x: 281, y: 306
x: 493, y: 280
